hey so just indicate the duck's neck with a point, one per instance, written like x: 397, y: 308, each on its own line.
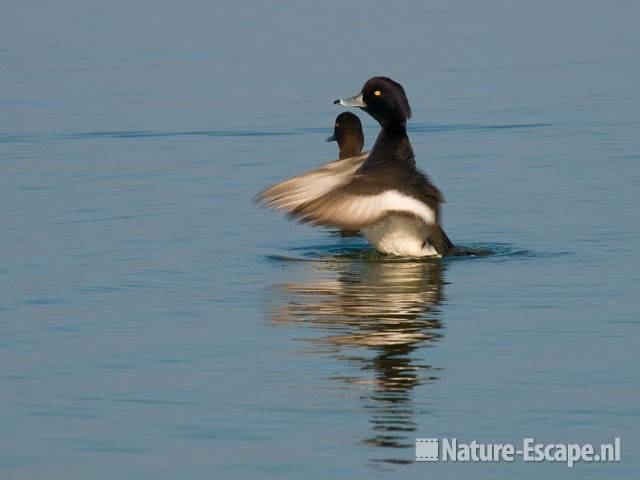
x: 351, y: 147
x: 392, y: 145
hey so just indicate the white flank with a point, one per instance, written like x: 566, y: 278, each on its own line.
x: 397, y: 234
x: 401, y: 236
x: 393, y: 200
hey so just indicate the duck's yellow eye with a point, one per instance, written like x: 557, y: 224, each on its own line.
x: 377, y: 93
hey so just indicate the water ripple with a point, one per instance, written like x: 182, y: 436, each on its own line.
x: 142, y: 134
x: 339, y: 252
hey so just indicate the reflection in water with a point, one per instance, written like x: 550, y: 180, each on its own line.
x: 374, y: 314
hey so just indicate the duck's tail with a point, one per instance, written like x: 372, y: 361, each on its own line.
x: 441, y: 242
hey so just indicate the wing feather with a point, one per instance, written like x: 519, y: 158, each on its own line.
x: 339, y: 194
x: 306, y: 187
x: 355, y: 206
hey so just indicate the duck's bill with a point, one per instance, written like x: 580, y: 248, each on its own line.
x: 332, y: 138
x: 356, y: 101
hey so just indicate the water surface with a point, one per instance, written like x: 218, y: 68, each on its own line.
x: 155, y: 324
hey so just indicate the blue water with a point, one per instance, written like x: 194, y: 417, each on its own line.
x: 155, y: 324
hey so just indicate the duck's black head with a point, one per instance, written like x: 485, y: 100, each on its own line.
x: 383, y: 99
x: 347, y: 131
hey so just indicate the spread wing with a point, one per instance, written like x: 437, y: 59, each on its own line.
x: 366, y: 199
x: 304, y: 188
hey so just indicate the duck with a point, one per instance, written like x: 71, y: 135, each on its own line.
x: 347, y: 132
x: 381, y: 193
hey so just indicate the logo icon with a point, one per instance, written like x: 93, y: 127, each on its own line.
x: 426, y: 449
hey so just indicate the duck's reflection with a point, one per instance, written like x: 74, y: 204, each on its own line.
x: 375, y: 314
